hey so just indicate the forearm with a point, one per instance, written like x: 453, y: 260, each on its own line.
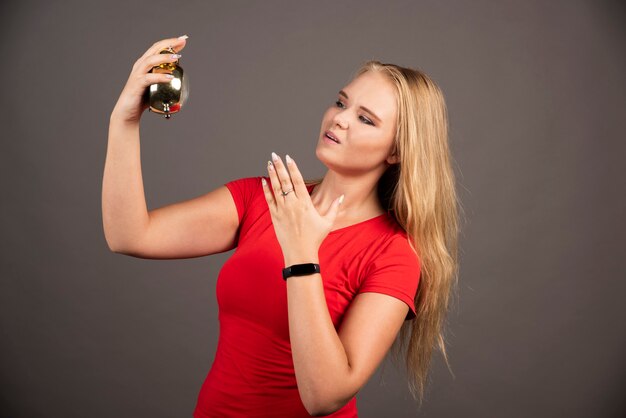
x: 124, y: 211
x: 320, y: 361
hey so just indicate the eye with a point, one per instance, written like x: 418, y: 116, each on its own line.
x: 366, y: 120
x: 363, y: 119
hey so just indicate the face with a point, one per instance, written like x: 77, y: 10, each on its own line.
x: 363, y: 120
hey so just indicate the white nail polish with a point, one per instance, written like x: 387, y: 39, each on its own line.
x: 288, y: 158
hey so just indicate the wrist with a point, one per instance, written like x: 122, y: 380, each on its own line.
x: 304, y: 269
x: 290, y: 260
x: 115, y: 119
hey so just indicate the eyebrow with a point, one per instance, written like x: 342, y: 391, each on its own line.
x: 343, y: 93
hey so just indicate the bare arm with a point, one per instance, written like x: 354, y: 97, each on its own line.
x: 200, y: 226
x: 124, y: 212
x: 196, y: 227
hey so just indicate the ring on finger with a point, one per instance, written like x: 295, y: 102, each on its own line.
x: 287, y: 192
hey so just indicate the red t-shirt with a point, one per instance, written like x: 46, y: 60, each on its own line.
x: 252, y: 373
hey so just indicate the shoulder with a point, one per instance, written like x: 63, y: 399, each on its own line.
x: 251, y: 183
x: 392, y: 268
x: 391, y: 235
x: 387, y: 243
x: 245, y: 188
x: 396, y: 248
x: 245, y: 192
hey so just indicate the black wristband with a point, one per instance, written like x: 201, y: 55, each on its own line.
x: 301, y: 270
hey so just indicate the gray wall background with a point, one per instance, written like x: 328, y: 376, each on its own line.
x: 536, y: 97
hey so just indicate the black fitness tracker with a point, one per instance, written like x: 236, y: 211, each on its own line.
x: 300, y: 270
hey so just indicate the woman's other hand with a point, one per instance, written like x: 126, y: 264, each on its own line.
x: 130, y: 105
x: 300, y: 228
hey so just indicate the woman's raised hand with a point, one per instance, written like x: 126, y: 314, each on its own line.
x: 299, y: 227
x: 130, y: 105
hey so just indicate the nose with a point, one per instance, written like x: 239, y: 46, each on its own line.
x: 340, y: 121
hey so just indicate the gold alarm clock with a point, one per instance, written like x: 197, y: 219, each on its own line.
x: 169, y: 97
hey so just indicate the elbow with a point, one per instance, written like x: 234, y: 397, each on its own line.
x: 321, y: 410
x: 113, y: 245
x: 328, y: 396
x: 115, y: 249
x: 317, y: 410
x: 321, y: 406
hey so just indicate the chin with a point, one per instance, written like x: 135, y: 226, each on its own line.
x: 318, y: 153
x: 322, y: 155
x: 328, y: 161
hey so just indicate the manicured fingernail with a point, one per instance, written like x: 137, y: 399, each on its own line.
x: 176, y: 56
x: 169, y: 76
x: 288, y: 158
x: 270, y: 166
x: 263, y: 181
x: 341, y: 199
x: 274, y: 157
x: 183, y: 37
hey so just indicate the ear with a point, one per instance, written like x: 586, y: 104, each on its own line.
x: 393, y: 159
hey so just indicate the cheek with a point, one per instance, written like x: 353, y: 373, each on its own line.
x: 375, y: 145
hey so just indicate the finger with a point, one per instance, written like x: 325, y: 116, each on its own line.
x: 296, y: 178
x: 154, y: 60
x: 283, y: 174
x: 139, y: 83
x: 269, y: 197
x: 275, y: 184
x: 333, y: 210
x: 153, y: 78
x: 179, y: 44
x: 176, y: 43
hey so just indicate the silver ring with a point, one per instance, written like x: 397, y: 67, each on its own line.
x: 287, y: 192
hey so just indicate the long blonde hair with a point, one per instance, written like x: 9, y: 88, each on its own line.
x: 420, y: 190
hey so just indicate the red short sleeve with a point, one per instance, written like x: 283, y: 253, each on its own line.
x: 243, y: 190
x: 394, y: 272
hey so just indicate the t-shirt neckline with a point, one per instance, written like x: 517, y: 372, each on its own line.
x: 310, y: 189
x: 358, y: 223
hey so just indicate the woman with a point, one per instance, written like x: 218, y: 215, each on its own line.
x: 328, y: 274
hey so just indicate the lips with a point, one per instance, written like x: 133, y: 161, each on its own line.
x: 330, y: 135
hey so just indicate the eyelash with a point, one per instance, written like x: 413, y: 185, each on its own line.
x: 363, y: 118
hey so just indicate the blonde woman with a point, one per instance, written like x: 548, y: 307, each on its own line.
x: 327, y: 274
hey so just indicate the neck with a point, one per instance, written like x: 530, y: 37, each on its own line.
x: 361, y: 199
